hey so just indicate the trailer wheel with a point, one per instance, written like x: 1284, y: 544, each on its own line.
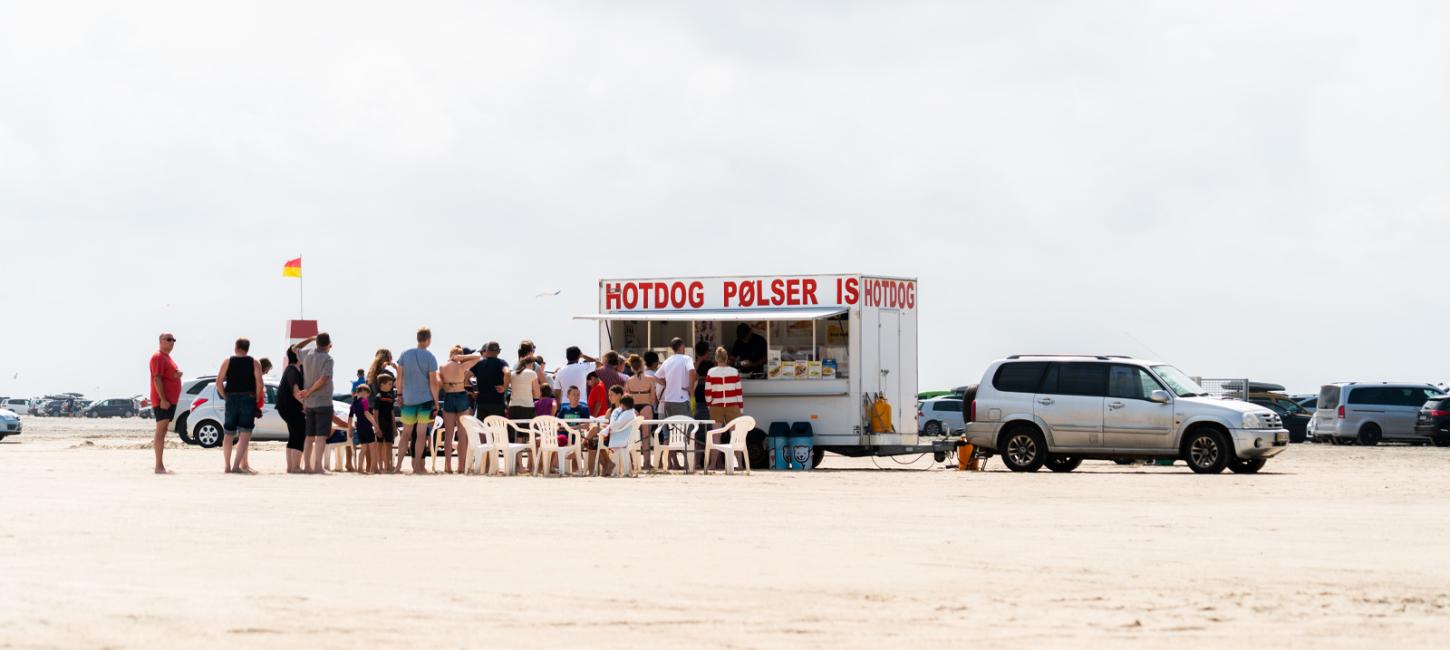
x: 755, y: 446
x: 817, y: 455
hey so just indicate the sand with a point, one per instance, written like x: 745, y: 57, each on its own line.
x: 1330, y: 547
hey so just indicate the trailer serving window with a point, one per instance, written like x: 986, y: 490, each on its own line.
x: 801, y: 344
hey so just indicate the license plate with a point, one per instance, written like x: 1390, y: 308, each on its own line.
x: 1281, y: 437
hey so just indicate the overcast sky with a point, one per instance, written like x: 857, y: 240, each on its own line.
x: 1242, y: 189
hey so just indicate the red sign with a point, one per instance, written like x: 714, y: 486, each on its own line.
x: 754, y: 293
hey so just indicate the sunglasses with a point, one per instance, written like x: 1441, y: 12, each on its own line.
x: 169, y: 340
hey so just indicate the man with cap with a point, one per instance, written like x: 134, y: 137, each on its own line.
x: 492, y: 375
x: 165, y: 391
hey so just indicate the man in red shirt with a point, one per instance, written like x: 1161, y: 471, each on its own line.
x: 165, y: 391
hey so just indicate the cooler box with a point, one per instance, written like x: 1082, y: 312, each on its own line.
x: 801, y: 445
x: 777, y: 440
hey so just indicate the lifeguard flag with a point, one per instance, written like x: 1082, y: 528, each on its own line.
x: 292, y: 269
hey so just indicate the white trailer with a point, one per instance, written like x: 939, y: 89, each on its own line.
x: 834, y: 344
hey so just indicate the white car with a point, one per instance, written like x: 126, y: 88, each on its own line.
x: 9, y: 423
x: 18, y: 405
x: 939, y: 416
x: 207, y: 413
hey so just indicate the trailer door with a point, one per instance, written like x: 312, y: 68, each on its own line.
x: 888, y: 350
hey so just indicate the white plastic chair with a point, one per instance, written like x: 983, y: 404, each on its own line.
x: 513, y: 452
x: 482, y: 453
x: 623, y: 455
x: 739, y: 428
x: 679, y: 428
x: 546, y: 430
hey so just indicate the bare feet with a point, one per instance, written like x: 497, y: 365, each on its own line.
x: 163, y: 470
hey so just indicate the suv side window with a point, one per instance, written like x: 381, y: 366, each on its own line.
x: 1018, y: 377
x: 1087, y: 379
x: 1131, y: 382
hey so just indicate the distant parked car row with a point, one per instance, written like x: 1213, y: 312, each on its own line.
x: 1369, y: 413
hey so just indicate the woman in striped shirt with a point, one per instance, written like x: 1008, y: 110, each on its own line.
x: 723, y: 392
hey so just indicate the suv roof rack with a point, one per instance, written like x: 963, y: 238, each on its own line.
x: 1103, y: 357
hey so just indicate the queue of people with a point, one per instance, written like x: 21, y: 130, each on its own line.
x: 587, y: 390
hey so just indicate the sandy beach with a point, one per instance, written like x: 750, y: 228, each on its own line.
x: 1329, y: 547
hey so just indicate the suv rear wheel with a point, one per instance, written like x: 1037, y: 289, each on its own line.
x: 1063, y: 463
x: 1206, y: 451
x: 1024, y: 449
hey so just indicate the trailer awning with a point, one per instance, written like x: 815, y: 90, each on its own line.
x: 813, y: 313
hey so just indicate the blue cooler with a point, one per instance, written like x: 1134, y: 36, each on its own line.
x: 778, y: 437
x: 801, y: 445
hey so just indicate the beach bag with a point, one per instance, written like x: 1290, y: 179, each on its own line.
x: 881, y: 416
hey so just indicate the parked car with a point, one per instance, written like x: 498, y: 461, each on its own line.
x: 939, y: 416
x: 1370, y: 413
x: 191, y: 389
x: 207, y: 414
x: 9, y: 423
x: 112, y: 408
x: 17, y: 405
x: 1295, y: 418
x: 1433, y: 421
x: 1307, y: 402
x: 1057, y: 411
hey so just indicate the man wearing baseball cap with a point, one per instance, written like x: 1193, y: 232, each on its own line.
x: 165, y: 391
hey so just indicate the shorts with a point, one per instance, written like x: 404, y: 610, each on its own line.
x: 338, y: 437
x: 296, y: 429
x: 164, y: 414
x: 318, y: 421
x: 388, y: 432
x: 670, y: 409
x: 487, y: 409
x: 240, y: 414
x: 455, y: 402
x: 363, y: 437
x: 418, y: 414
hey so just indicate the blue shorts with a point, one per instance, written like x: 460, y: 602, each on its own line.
x: 241, y: 413
x: 455, y: 402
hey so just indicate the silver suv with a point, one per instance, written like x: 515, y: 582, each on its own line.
x: 1368, y: 413
x: 1060, y: 410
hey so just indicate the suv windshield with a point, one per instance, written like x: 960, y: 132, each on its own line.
x: 1182, y: 385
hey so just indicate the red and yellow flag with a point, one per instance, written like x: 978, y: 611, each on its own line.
x: 292, y: 269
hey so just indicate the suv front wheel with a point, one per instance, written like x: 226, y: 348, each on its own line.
x: 1024, y: 449
x: 1206, y: 451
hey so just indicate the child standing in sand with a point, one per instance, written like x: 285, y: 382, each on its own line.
x: 387, y: 430
x: 364, y: 424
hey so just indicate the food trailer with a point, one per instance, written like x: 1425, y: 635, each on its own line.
x: 833, y: 345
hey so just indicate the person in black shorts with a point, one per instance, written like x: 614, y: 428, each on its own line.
x: 383, y: 403
x: 363, y: 423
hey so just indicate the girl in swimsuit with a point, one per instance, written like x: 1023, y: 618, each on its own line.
x: 642, y: 389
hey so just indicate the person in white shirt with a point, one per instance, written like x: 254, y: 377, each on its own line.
x: 677, y: 375
x: 576, y: 372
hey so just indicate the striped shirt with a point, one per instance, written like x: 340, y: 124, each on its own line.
x: 722, y: 387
